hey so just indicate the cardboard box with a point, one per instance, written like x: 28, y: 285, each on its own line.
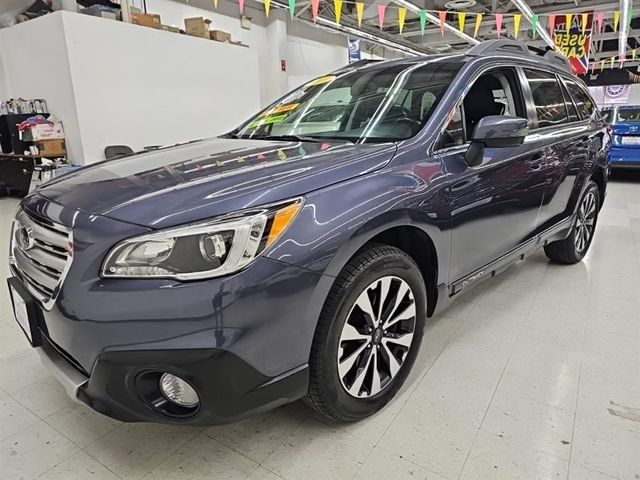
x: 51, y: 148
x: 169, y: 28
x: 44, y: 131
x: 220, y: 36
x: 197, y: 27
x: 146, y: 20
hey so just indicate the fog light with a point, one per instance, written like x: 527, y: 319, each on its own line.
x: 178, y: 391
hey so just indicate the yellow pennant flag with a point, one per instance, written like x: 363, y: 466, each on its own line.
x: 616, y: 20
x: 602, y: 65
x: 337, y: 5
x: 516, y: 24
x: 478, y: 23
x: 267, y: 6
x: 613, y: 61
x: 461, y: 18
x: 215, y: 3
x: 633, y: 54
x: 402, y: 14
x: 568, y: 19
x: 359, y: 12
x: 585, y: 19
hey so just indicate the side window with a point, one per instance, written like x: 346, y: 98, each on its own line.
x: 571, y: 108
x: 547, y: 97
x: 494, y: 93
x: 583, y: 101
x: 454, y: 133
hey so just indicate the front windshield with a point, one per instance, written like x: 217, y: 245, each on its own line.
x: 380, y: 103
x: 618, y: 115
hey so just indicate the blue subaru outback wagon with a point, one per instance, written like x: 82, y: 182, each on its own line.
x: 299, y: 255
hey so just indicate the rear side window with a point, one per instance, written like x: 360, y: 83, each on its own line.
x: 547, y: 97
x: 583, y: 101
x: 571, y: 108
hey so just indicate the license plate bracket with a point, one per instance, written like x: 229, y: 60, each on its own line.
x: 25, y: 311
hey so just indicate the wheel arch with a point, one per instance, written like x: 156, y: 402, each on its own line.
x: 599, y: 177
x: 424, y: 242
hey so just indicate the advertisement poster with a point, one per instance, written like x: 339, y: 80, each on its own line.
x: 611, y: 95
x: 354, y: 49
x: 573, y: 43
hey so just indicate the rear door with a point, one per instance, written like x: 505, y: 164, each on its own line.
x: 563, y: 135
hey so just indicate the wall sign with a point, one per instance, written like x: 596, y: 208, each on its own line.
x: 354, y: 49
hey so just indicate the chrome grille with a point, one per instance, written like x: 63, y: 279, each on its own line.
x: 40, y: 254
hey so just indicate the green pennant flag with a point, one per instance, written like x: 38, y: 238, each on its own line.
x: 534, y: 25
x: 292, y: 6
x: 423, y: 20
x: 629, y: 16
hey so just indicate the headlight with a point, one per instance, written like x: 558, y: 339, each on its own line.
x: 202, y: 250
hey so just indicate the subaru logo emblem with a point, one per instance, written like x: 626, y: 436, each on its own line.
x: 24, y: 238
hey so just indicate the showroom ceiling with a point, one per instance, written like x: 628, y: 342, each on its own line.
x: 604, y: 44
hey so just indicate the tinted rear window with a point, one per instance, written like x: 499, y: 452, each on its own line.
x: 548, y: 99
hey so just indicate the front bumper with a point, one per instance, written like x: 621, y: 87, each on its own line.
x: 242, y: 341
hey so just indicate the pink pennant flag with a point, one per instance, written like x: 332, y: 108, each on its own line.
x: 600, y: 20
x: 552, y: 24
x: 241, y: 5
x: 381, y: 8
x: 314, y: 9
x: 443, y: 19
x: 499, y: 18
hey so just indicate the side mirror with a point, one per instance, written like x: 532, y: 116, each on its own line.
x: 496, y: 131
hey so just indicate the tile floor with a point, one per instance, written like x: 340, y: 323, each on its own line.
x: 533, y: 375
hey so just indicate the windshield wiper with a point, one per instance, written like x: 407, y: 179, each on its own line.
x: 287, y: 138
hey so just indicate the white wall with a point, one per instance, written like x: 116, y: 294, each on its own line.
x: 35, y: 63
x: 139, y: 86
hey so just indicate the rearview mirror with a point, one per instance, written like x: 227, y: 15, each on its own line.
x: 496, y: 131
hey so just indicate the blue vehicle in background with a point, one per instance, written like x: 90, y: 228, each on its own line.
x: 625, y: 123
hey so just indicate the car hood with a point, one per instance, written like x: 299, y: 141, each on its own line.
x: 202, y: 179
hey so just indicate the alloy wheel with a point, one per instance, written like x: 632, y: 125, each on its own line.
x: 585, y: 222
x: 376, y: 337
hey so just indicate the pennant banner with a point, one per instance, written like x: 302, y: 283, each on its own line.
x: 552, y: 24
x: 600, y: 20
x: 535, y: 19
x: 423, y: 20
x: 359, y: 12
x: 585, y: 19
x: 381, y: 9
x: 267, y: 6
x: 443, y: 18
x: 616, y: 20
x: 241, y: 5
x: 314, y: 9
x: 337, y: 5
x: 292, y: 8
x: 602, y: 65
x: 499, y: 18
x: 516, y: 25
x: 215, y: 3
x: 461, y: 18
x: 478, y: 23
x: 402, y: 14
x: 568, y: 18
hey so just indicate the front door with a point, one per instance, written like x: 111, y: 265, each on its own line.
x: 494, y: 207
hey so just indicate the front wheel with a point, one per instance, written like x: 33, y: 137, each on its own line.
x: 368, y: 334
x: 575, y: 246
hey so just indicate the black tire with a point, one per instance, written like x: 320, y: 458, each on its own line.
x: 327, y: 391
x: 569, y: 251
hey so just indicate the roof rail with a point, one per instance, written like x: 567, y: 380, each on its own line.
x: 356, y: 64
x: 499, y: 46
x: 514, y: 47
x: 557, y: 59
